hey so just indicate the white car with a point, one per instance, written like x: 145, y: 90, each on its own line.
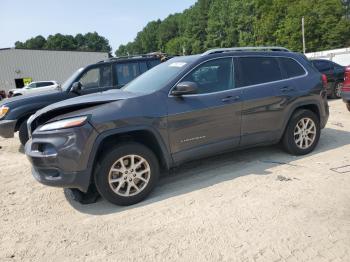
x: 35, y: 87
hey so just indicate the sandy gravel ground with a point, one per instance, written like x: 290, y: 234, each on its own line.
x: 255, y: 205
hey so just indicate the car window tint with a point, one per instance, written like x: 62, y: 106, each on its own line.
x: 213, y: 76
x: 323, y: 65
x: 143, y: 67
x: 90, y: 79
x: 126, y: 72
x: 292, y: 67
x: 153, y: 63
x: 42, y: 84
x: 106, y: 76
x: 258, y: 70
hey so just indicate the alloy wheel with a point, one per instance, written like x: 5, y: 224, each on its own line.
x: 338, y: 89
x: 129, y: 175
x: 305, y: 133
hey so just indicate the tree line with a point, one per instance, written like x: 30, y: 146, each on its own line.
x: 228, y: 23
x: 87, y: 42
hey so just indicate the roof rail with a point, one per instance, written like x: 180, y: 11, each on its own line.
x: 149, y: 55
x: 253, y: 48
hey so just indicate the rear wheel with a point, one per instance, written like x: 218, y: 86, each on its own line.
x: 336, y: 92
x: 23, y: 132
x: 302, y: 133
x: 127, y: 174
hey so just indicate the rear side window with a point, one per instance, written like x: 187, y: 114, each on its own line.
x: 42, y: 84
x: 258, y: 70
x: 126, y: 72
x: 292, y: 67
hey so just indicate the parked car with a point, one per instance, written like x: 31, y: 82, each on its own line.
x: 184, y: 109
x: 346, y: 88
x: 2, y: 94
x: 334, y: 73
x: 34, y: 88
x: 112, y: 73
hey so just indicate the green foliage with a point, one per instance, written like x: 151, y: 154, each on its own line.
x: 227, y: 23
x: 87, y: 42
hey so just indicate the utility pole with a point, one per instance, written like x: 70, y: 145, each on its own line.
x: 303, y: 32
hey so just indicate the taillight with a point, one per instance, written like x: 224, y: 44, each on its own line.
x: 346, y: 85
x: 324, y: 80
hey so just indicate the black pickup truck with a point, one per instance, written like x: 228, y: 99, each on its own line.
x: 112, y: 73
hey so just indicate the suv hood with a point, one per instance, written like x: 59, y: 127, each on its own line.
x: 92, y: 99
x: 30, y: 98
x: 84, y: 101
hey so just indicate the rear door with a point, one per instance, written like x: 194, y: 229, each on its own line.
x: 265, y: 96
x: 210, y: 121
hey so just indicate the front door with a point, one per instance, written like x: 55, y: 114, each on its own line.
x: 209, y: 121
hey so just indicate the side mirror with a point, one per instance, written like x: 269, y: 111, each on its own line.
x: 76, y: 87
x: 185, y: 88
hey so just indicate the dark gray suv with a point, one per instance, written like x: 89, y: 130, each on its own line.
x: 186, y: 108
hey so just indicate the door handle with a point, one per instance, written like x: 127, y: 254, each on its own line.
x: 230, y: 98
x: 287, y: 89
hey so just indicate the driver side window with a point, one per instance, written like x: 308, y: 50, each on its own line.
x: 90, y: 79
x: 213, y: 76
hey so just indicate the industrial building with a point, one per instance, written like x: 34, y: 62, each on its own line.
x: 21, y: 66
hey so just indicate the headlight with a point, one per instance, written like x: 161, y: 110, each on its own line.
x: 65, y: 123
x: 3, y: 111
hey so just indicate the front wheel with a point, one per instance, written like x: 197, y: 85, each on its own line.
x: 302, y: 133
x: 127, y: 174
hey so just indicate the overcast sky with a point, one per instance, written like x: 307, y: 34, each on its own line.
x: 117, y: 20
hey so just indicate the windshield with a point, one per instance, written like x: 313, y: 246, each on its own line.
x: 156, y: 78
x: 71, y: 79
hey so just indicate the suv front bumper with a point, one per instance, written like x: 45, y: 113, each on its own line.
x: 7, y: 128
x: 60, y: 158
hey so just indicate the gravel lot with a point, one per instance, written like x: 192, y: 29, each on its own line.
x: 254, y: 205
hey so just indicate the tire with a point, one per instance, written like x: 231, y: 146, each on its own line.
x: 23, y: 132
x: 75, y: 195
x: 296, y: 144
x: 348, y: 106
x: 336, y: 91
x: 123, y: 192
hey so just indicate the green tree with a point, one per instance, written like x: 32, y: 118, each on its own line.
x: 37, y: 42
x: 88, y: 42
x: 227, y: 23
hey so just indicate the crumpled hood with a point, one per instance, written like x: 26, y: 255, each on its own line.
x: 86, y: 101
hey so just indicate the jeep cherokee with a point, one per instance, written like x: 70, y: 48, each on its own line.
x: 186, y: 108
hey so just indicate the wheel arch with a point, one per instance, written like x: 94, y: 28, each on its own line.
x: 307, y: 105
x: 143, y: 135
x: 21, y: 119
